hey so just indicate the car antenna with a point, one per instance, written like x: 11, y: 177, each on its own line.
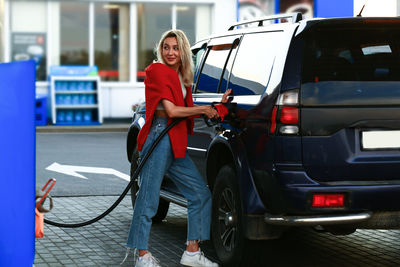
x: 362, y: 9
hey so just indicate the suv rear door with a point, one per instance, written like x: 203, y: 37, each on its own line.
x: 350, y: 101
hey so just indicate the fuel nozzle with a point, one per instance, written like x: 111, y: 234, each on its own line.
x: 226, y: 111
x: 212, y: 121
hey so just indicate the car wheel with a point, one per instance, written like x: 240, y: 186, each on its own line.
x: 163, y: 205
x: 162, y: 211
x: 226, y: 227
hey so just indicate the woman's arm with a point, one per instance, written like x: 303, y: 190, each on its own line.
x: 174, y: 111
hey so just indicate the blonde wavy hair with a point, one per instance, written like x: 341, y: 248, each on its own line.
x: 186, y: 68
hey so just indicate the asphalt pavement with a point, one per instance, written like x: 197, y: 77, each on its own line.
x: 83, y: 163
x: 103, y: 243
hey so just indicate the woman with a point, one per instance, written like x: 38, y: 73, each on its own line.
x: 168, y: 96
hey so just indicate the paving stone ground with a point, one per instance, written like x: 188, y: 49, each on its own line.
x: 102, y: 243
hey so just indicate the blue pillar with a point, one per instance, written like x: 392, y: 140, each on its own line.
x: 17, y: 163
x: 337, y: 8
x: 277, y: 6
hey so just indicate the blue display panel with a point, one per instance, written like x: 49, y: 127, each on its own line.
x: 17, y: 163
x: 330, y: 9
x: 316, y: 8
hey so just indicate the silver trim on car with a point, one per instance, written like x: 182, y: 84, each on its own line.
x: 314, y: 220
x: 238, y: 99
x: 196, y: 149
x: 173, y: 198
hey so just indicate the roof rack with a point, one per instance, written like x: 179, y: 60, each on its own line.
x: 295, y: 17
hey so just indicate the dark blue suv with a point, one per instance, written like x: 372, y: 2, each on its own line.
x: 315, y: 136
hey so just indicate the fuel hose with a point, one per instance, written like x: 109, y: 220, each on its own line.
x: 135, y: 174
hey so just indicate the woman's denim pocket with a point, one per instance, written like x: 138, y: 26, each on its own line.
x: 157, y: 129
x: 158, y: 125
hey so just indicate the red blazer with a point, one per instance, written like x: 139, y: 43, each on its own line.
x: 162, y: 82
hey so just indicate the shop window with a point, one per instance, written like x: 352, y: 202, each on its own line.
x: 74, y: 33
x: 155, y: 18
x: 194, y: 20
x: 153, y: 21
x: 111, y: 41
x: 28, y: 36
x: 186, y: 21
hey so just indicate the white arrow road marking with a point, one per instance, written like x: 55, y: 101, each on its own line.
x: 73, y: 171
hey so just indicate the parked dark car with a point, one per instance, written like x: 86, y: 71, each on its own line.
x: 315, y: 137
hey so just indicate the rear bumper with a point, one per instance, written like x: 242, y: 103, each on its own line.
x: 268, y: 226
x: 298, y: 189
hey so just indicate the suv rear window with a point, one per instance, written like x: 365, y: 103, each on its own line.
x: 353, y: 65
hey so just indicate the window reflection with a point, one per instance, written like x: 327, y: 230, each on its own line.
x: 74, y: 33
x: 186, y: 20
x: 155, y: 18
x: 112, y: 41
x: 360, y: 55
x: 153, y: 21
x: 224, y: 81
x: 68, y: 28
x: 253, y: 63
x: 197, y: 57
x: 28, y: 36
x: 213, y: 68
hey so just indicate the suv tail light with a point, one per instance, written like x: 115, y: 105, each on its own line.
x: 285, y: 115
x: 289, y: 98
x: 289, y: 115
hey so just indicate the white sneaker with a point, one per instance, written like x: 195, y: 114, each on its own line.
x: 197, y: 260
x: 147, y: 260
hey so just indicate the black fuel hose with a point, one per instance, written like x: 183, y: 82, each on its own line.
x: 128, y: 187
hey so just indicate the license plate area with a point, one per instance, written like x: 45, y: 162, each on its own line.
x: 380, y: 140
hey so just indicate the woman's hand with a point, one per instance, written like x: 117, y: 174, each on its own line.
x: 224, y: 98
x: 210, y: 112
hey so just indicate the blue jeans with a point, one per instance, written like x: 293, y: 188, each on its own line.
x: 184, y: 174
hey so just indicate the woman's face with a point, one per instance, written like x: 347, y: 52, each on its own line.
x: 171, y: 53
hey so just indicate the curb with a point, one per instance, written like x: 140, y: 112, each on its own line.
x: 73, y: 129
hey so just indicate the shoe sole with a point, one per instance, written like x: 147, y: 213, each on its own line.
x: 189, y: 264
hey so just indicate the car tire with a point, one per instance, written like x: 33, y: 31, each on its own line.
x: 227, y: 225
x: 162, y: 211
x: 163, y: 205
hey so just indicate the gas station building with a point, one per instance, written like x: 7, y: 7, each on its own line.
x: 119, y: 37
